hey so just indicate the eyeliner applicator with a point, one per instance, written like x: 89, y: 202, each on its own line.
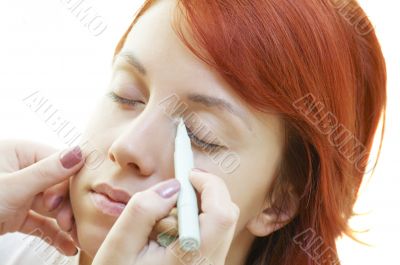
x: 188, y: 218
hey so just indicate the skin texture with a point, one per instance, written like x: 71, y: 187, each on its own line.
x: 138, y: 141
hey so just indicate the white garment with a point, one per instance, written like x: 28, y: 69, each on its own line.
x: 20, y: 249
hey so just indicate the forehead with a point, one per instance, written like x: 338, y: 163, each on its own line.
x: 171, y: 66
x: 169, y: 63
x: 155, y: 43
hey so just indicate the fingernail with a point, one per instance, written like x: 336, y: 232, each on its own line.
x: 71, y: 158
x: 76, y: 252
x: 55, y: 203
x: 199, y: 170
x: 169, y: 188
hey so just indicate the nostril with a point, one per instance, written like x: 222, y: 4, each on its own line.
x: 134, y: 166
x: 111, y: 156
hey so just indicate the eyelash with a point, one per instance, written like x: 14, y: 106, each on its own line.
x: 125, y: 101
x: 200, y: 143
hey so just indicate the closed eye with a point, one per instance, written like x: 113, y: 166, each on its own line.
x: 124, y: 101
x: 205, y: 146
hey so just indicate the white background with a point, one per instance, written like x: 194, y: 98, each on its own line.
x: 45, y: 48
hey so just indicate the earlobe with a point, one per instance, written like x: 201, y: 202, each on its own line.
x: 272, y: 219
x: 265, y: 223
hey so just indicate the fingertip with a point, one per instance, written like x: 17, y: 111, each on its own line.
x: 53, y: 203
x: 199, y: 170
x: 197, y: 174
x: 168, y: 188
x: 66, y: 247
x: 71, y: 157
x: 65, y: 218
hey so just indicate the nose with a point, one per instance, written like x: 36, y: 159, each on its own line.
x: 145, y: 145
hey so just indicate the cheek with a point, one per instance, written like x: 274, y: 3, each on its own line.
x: 246, y: 184
x: 79, y: 195
x: 106, y: 115
x: 249, y: 197
x: 249, y: 186
x: 90, y: 231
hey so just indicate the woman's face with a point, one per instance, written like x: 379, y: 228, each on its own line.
x: 155, y: 71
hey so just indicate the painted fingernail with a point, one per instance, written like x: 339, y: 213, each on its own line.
x: 169, y: 188
x: 199, y: 170
x: 71, y: 158
x: 55, y: 203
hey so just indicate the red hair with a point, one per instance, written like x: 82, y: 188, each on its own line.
x: 318, y: 64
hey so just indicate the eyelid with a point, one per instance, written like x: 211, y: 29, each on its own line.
x: 128, y: 76
x: 121, y: 66
x: 203, y: 144
x: 116, y: 98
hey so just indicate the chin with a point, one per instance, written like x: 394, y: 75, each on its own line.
x: 90, y: 237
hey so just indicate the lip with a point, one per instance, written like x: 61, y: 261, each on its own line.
x: 109, y: 200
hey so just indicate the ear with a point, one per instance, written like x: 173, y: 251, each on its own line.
x: 273, y: 217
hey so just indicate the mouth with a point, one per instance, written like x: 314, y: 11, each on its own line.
x: 108, y: 200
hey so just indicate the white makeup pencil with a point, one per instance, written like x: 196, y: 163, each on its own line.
x: 188, y: 218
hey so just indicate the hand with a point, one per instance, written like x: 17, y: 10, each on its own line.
x: 34, y: 190
x: 128, y: 240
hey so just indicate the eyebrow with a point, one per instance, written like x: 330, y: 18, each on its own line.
x: 131, y: 59
x: 209, y: 101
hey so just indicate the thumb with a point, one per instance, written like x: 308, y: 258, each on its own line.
x: 47, y: 172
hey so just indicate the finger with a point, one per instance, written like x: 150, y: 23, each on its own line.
x: 47, y: 172
x: 74, y: 234
x: 38, y: 206
x: 55, y: 195
x: 62, y: 213
x: 49, y: 202
x: 29, y: 153
x: 65, y: 217
x: 21, y: 153
x: 47, y: 230
x: 217, y: 220
x: 131, y: 231
x: 167, y: 225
